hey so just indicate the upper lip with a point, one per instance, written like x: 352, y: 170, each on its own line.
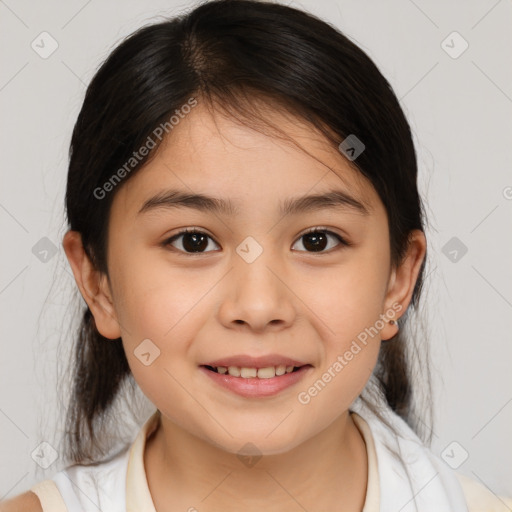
x: 246, y: 361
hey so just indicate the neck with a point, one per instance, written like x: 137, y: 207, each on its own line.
x: 328, y: 471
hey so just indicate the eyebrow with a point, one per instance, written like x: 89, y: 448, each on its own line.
x: 333, y: 199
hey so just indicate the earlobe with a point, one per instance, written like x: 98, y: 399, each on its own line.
x: 93, y: 286
x: 403, y: 281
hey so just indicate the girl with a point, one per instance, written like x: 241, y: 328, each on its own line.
x: 246, y: 231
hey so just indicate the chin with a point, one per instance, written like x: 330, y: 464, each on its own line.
x: 252, y: 443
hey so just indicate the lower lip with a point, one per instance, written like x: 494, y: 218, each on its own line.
x: 255, y: 387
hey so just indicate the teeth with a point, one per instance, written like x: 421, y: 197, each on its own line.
x: 247, y: 373
x: 266, y: 373
x: 262, y: 373
x: 281, y: 369
x: 234, y: 371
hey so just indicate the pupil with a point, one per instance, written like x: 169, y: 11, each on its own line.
x: 318, y: 241
x: 199, y: 242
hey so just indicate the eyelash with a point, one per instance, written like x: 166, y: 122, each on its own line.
x: 318, y: 229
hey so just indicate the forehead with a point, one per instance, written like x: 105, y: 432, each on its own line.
x: 210, y: 153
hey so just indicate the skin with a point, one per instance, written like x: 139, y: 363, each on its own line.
x: 291, y: 300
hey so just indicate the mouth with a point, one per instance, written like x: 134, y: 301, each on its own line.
x: 268, y: 372
x: 258, y: 381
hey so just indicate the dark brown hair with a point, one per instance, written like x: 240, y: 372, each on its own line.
x: 232, y: 53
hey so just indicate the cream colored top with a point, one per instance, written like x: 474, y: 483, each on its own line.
x: 138, y: 496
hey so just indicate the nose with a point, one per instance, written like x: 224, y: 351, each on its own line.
x: 258, y: 298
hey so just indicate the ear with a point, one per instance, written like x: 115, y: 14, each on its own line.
x: 403, y: 280
x: 93, y: 285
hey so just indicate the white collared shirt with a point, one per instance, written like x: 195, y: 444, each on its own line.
x: 120, y: 484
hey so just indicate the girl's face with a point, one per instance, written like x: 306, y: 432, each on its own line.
x: 250, y: 284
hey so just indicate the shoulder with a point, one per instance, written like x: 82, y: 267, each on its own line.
x: 26, y: 502
x: 480, y: 499
x: 102, y: 483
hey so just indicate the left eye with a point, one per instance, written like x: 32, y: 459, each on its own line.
x: 194, y: 241
x: 317, y: 239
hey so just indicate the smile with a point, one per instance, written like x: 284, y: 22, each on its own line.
x: 256, y: 382
x: 247, y: 373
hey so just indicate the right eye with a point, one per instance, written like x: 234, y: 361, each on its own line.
x: 192, y: 241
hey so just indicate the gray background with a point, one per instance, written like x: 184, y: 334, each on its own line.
x: 460, y: 112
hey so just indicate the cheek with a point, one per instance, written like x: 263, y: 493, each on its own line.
x: 347, y: 298
x: 157, y: 332
x: 349, y: 323
x: 347, y: 303
x: 162, y: 304
x: 152, y: 296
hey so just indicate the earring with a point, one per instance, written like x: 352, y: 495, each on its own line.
x: 392, y: 322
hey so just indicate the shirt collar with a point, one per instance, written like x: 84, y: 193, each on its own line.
x: 139, y: 498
